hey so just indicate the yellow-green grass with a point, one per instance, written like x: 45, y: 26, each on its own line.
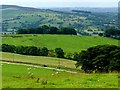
x: 70, y: 43
x: 39, y: 60
x: 16, y: 76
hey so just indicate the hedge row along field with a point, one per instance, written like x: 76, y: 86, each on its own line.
x: 32, y: 50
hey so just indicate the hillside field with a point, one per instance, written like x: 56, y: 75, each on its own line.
x: 39, y: 60
x: 69, y: 43
x: 16, y: 75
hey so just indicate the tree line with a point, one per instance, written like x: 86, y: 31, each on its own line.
x: 37, y: 51
x: 32, y: 50
x: 48, y: 30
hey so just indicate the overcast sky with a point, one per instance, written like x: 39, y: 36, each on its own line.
x: 62, y: 3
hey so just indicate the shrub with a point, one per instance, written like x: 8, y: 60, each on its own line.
x: 44, y: 51
x: 8, y: 48
x: 59, y: 52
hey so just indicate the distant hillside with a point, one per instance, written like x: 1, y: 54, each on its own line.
x: 15, y: 17
x: 18, y: 7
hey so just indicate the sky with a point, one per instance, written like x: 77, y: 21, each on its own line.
x: 62, y: 3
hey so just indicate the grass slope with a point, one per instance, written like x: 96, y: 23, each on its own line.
x: 69, y: 43
x: 49, y: 61
x: 16, y: 76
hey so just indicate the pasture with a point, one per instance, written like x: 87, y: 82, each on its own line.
x: 69, y: 43
x: 40, y: 60
x: 17, y: 76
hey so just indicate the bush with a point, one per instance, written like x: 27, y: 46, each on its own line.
x: 44, y: 51
x: 8, y: 48
x: 59, y: 52
x: 76, y: 56
x: 31, y: 50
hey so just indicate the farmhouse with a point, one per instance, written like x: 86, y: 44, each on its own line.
x: 9, y: 32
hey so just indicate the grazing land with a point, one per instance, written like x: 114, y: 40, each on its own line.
x: 39, y: 60
x: 69, y: 43
x: 17, y: 76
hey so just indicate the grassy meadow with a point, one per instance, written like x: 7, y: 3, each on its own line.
x: 39, y: 60
x: 17, y: 76
x: 69, y: 43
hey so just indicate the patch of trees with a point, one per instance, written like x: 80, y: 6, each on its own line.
x: 37, y: 51
x: 8, y: 48
x: 48, y: 30
x: 113, y: 33
x: 101, y: 58
x: 60, y: 53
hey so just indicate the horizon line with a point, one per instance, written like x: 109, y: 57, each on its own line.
x: 61, y: 6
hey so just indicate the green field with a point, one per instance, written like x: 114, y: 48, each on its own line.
x: 39, y: 60
x: 16, y: 76
x: 69, y: 43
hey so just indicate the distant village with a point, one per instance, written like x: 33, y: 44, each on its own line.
x: 9, y: 31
